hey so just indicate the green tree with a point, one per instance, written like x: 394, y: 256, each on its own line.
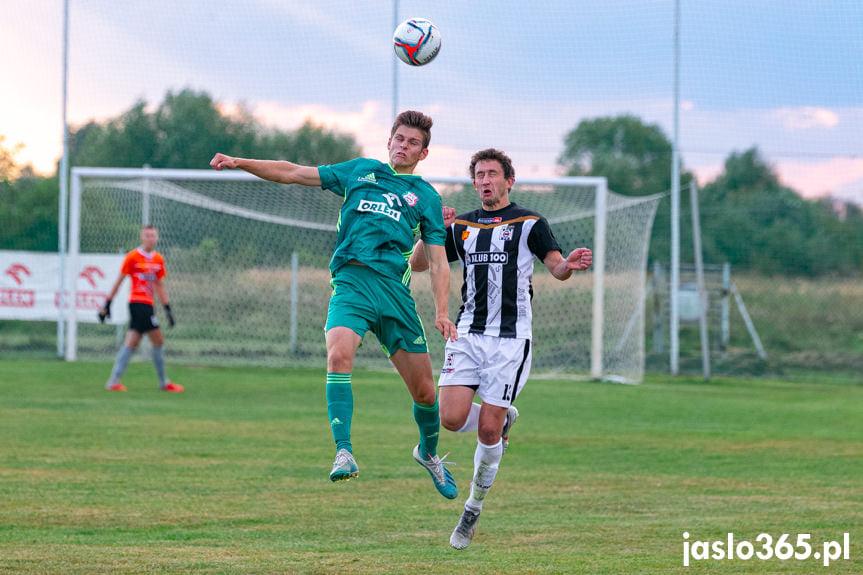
x: 184, y: 131
x: 188, y: 127
x: 28, y: 206
x: 310, y: 145
x: 635, y: 158
x: 752, y: 221
x: 748, y: 217
x: 126, y: 141
x: 8, y: 166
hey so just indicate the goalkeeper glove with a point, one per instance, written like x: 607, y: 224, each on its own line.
x: 171, y: 321
x: 105, y: 312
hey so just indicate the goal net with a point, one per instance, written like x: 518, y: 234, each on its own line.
x: 248, y: 278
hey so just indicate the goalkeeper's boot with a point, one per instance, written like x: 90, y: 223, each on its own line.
x: 173, y: 387
x: 443, y: 480
x: 511, y: 416
x: 116, y: 387
x: 344, y: 467
x: 463, y: 532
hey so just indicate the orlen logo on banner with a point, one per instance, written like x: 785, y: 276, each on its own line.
x: 12, y: 297
x: 16, y: 271
x: 88, y: 300
x: 89, y: 273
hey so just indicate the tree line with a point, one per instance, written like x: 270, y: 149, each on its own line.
x: 182, y: 132
x: 748, y: 217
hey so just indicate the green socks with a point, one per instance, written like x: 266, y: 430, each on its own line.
x: 340, y: 408
x: 428, y: 421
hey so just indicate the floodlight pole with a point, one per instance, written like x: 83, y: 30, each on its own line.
x: 675, y: 203
x: 64, y: 195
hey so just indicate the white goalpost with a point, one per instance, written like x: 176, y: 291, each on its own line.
x: 248, y: 277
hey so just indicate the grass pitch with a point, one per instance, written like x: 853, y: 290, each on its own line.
x: 231, y: 476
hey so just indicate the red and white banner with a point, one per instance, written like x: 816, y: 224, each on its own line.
x: 30, y: 281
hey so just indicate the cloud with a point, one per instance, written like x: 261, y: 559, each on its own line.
x: 370, y: 125
x: 850, y: 192
x: 806, y: 117
x: 829, y: 177
x: 30, y: 112
x: 840, y: 177
x: 707, y: 173
x: 814, y: 150
x: 324, y: 18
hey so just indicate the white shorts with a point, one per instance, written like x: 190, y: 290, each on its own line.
x: 496, y: 367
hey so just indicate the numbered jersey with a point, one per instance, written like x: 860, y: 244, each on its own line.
x: 382, y: 213
x: 496, y: 250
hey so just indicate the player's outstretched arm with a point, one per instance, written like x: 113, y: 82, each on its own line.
x: 273, y: 170
x: 439, y: 271
x: 578, y: 259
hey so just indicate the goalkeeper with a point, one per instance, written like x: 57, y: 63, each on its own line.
x: 146, y: 268
x: 384, y: 206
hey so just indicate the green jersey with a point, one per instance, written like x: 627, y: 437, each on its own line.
x: 381, y: 215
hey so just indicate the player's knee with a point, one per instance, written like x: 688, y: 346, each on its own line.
x: 339, y: 361
x: 425, y: 396
x: 489, y: 434
x: 451, y: 423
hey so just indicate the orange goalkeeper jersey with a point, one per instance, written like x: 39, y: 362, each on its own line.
x: 144, y: 269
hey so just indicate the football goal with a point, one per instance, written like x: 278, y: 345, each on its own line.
x: 247, y: 264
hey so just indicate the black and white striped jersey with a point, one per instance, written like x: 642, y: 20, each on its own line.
x: 496, y: 250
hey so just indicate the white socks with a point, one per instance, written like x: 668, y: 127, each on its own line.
x: 486, y: 460
x: 472, y: 421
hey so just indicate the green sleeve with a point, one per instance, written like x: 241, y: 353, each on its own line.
x: 336, y: 176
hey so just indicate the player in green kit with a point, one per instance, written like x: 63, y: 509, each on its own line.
x: 385, y: 206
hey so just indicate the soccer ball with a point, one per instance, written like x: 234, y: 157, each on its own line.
x: 416, y: 41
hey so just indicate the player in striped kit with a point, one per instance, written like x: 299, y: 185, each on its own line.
x: 491, y: 358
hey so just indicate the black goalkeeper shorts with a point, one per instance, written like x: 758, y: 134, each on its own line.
x: 143, y: 317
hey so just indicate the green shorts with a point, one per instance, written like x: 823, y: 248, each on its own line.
x: 365, y: 300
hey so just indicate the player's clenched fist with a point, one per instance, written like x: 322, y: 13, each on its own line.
x: 221, y: 161
x: 579, y: 259
x: 448, y: 216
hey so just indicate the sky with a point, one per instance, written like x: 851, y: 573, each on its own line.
x: 783, y: 75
